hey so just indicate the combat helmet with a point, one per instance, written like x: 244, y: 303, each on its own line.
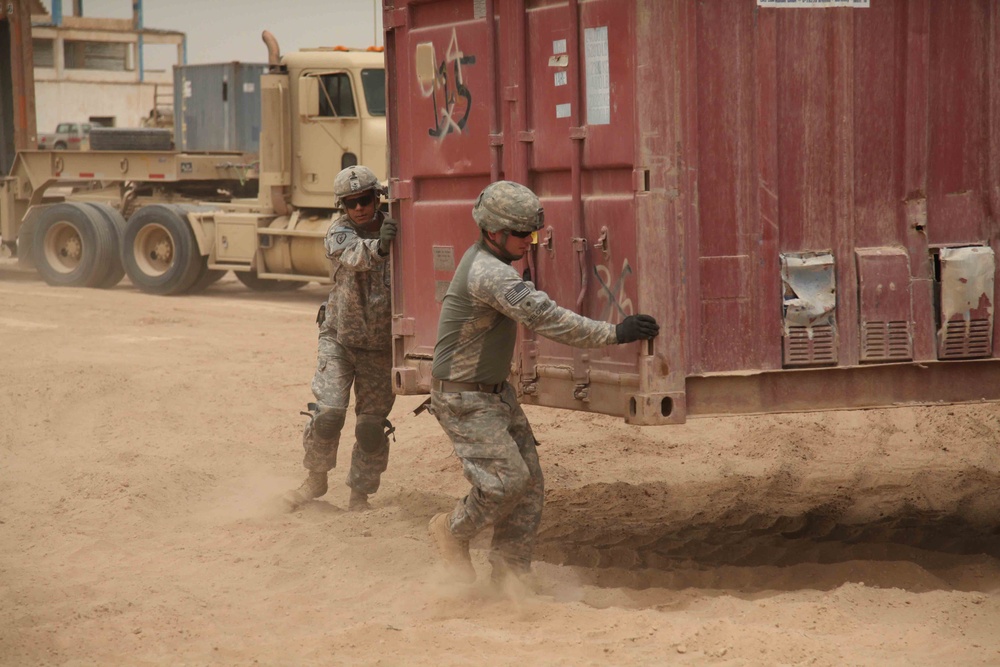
x: 354, y: 181
x: 508, y: 206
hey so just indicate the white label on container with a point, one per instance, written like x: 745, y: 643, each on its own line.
x: 814, y: 3
x: 563, y: 110
x: 560, y: 78
x: 187, y: 88
x: 598, y: 76
x: 248, y: 87
x: 559, y: 46
x: 479, y: 9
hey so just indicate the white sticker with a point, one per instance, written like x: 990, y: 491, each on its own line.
x: 598, y: 76
x: 814, y: 3
x: 559, y: 46
x: 248, y: 87
x: 560, y: 78
x: 563, y: 110
x: 187, y: 88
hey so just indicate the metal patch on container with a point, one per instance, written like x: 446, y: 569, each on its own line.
x: 517, y: 293
x: 598, y: 76
x: 444, y: 257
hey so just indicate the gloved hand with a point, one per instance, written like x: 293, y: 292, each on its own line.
x: 636, y: 327
x: 386, y: 234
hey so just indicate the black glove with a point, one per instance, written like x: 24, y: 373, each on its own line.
x: 636, y: 327
x: 386, y: 234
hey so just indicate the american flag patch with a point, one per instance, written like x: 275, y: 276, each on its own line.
x: 516, y: 293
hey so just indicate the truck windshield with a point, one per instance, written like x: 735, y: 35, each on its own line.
x: 373, y: 81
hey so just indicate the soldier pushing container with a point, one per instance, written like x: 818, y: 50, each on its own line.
x: 470, y: 396
x: 354, y: 346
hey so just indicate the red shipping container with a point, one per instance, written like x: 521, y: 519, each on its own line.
x: 805, y: 196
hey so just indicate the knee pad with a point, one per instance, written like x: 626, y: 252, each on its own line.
x: 370, y: 432
x: 328, y: 422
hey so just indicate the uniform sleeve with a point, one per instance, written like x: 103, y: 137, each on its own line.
x: 498, y: 285
x: 353, y: 252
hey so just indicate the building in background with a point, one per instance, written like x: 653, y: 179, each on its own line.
x: 92, y: 70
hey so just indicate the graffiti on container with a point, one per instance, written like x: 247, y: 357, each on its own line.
x: 451, y: 111
x: 615, y: 302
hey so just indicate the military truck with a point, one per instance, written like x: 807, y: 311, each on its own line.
x: 174, y: 222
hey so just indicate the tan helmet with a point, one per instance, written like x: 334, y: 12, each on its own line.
x: 506, y: 205
x: 355, y: 180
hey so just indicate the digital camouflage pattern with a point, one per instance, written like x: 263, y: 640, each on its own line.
x: 491, y: 435
x: 359, y: 309
x: 370, y: 372
x: 354, y: 350
x: 477, y: 329
x: 508, y: 205
x: 355, y: 180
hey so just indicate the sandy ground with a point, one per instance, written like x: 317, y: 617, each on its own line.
x: 143, y: 441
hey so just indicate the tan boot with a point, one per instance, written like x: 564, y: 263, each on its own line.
x: 358, y: 501
x: 453, y: 551
x: 314, y: 486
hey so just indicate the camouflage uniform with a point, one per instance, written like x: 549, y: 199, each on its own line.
x: 354, y: 348
x: 477, y: 333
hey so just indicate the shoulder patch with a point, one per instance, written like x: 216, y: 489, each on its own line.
x: 516, y: 293
x: 340, y: 237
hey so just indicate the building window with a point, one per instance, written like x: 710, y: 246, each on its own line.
x: 44, y: 52
x: 105, y: 56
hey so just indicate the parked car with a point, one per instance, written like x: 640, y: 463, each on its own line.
x: 68, y: 136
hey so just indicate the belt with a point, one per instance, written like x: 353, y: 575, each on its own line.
x: 448, y: 386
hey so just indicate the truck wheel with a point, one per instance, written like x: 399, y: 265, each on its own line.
x: 60, y: 146
x: 72, y: 245
x: 267, y: 284
x: 114, y: 220
x: 206, y: 278
x: 159, y: 251
x: 25, y: 241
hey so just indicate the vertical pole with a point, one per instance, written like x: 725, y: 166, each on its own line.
x: 137, y: 25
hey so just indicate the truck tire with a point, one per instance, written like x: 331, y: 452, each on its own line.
x: 159, y: 251
x: 25, y: 241
x: 60, y: 146
x: 206, y: 278
x: 267, y: 284
x: 72, y: 245
x: 131, y: 139
x: 117, y: 223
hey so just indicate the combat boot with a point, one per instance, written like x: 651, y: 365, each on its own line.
x: 314, y: 486
x: 453, y: 551
x: 358, y: 501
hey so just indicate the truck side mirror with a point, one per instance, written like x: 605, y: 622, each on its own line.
x: 308, y: 97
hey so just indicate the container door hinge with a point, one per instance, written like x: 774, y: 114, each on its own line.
x: 400, y: 189
x: 403, y: 326
x: 394, y: 17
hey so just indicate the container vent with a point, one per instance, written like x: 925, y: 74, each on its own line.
x: 886, y: 341
x: 966, y: 304
x: 810, y: 345
x: 966, y: 340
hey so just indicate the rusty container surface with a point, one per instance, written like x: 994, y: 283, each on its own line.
x: 17, y: 82
x: 806, y: 198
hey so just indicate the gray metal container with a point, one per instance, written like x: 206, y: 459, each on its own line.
x: 217, y: 106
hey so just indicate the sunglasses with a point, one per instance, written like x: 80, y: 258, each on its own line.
x: 521, y: 235
x: 363, y: 200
